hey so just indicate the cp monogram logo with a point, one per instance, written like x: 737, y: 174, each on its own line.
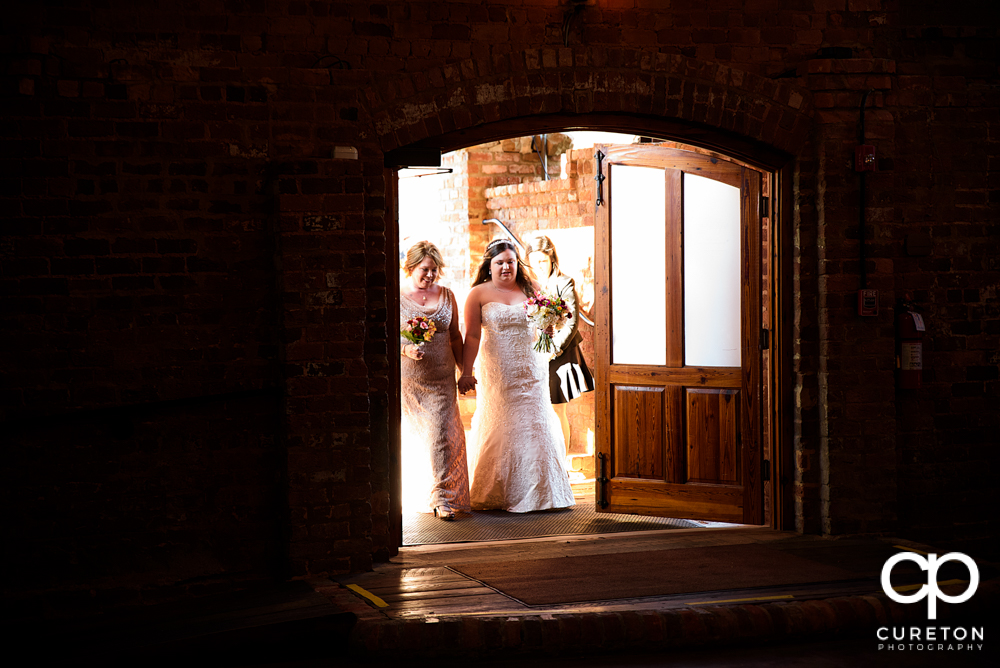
x: 930, y: 590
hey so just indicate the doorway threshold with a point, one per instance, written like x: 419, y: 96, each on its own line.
x: 491, y: 526
x: 497, y: 525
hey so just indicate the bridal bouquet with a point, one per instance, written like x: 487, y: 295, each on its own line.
x: 418, y: 330
x: 543, y: 312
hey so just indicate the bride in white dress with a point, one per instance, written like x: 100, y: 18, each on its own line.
x: 516, y: 453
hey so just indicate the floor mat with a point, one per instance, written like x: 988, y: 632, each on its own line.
x: 602, y: 577
x: 582, y: 519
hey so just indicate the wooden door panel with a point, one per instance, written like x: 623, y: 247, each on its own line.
x: 692, y: 163
x: 675, y: 460
x: 688, y: 501
x: 687, y: 376
x: 712, y: 427
x: 639, y: 418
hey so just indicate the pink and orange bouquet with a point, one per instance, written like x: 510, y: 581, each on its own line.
x: 418, y: 330
x: 545, y: 311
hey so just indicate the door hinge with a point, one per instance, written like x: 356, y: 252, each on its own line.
x: 599, y: 157
x: 765, y: 339
x: 765, y: 473
x: 765, y: 207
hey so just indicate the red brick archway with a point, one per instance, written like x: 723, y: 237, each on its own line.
x: 412, y: 108
x: 705, y: 104
x: 667, y: 96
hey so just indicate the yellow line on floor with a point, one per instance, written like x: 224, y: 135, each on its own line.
x: 918, y: 586
x: 908, y: 549
x: 741, y: 600
x: 361, y: 591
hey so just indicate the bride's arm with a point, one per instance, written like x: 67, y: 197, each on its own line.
x: 473, y: 331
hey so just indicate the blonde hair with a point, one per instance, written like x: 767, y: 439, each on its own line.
x: 417, y: 253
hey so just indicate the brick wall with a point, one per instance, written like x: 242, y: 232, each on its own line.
x: 942, y: 183
x: 459, y: 231
x: 507, y: 162
x: 543, y: 205
x: 176, y: 231
x: 456, y: 224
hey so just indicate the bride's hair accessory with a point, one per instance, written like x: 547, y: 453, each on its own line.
x: 497, y: 242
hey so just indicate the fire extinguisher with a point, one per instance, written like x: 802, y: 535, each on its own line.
x: 910, y: 346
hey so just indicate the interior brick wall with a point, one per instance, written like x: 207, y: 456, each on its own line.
x: 455, y: 224
x: 177, y: 238
x: 460, y: 232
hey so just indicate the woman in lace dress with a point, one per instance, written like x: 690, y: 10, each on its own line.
x: 517, y: 459
x: 436, y: 474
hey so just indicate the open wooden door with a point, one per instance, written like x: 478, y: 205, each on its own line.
x: 678, y: 332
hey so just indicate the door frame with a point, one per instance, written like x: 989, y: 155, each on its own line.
x: 780, y: 508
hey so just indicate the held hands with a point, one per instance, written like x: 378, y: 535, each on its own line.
x: 413, y: 351
x: 466, y: 383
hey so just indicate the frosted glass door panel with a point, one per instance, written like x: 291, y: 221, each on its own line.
x: 638, y: 240
x: 711, y: 273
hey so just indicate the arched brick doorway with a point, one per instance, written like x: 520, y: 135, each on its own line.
x: 756, y: 120
x: 710, y: 104
x: 734, y: 113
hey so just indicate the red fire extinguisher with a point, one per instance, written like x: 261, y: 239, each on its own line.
x: 910, y: 346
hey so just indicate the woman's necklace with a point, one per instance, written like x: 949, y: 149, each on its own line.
x: 423, y: 297
x: 501, y: 289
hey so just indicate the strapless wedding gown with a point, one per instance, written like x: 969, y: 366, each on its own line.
x: 517, y: 459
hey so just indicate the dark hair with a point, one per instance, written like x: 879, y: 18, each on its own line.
x: 543, y: 244
x: 524, y: 273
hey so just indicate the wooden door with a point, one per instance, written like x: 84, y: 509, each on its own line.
x: 678, y: 335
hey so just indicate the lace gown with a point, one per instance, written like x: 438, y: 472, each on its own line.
x: 435, y: 470
x: 518, y: 462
